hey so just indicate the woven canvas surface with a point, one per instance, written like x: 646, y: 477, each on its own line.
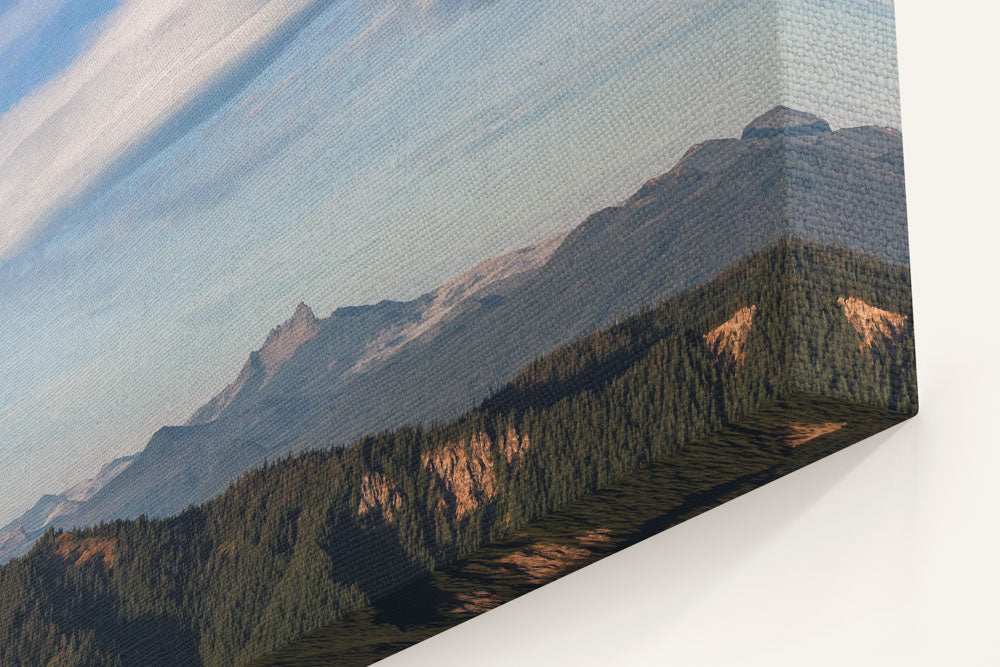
x: 330, y: 326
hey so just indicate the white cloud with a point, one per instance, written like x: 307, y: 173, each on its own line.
x: 151, y: 58
x: 25, y: 17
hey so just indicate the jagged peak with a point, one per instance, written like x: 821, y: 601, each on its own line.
x: 784, y: 121
x: 286, y: 338
x: 281, y: 343
x: 303, y: 316
x: 303, y: 312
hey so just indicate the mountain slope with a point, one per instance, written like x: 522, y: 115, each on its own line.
x: 376, y: 367
x: 280, y: 346
x: 298, y: 543
x: 17, y: 537
x: 251, y: 418
x: 723, y: 198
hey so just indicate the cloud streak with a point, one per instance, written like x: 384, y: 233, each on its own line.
x: 151, y: 60
x: 24, y: 18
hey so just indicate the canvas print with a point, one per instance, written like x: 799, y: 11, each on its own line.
x: 330, y: 325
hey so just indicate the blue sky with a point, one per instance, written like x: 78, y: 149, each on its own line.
x: 40, y: 39
x: 175, y: 179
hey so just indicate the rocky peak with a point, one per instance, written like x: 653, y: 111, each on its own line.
x: 782, y: 121
x: 280, y: 345
x: 303, y: 318
x: 286, y: 338
x: 303, y: 313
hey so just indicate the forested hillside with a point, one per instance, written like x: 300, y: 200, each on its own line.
x: 438, y: 356
x: 301, y: 541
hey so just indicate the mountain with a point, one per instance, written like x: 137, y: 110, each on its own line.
x: 383, y: 330
x: 300, y: 363
x: 279, y: 347
x: 318, y: 382
x: 784, y: 122
x: 17, y: 537
x: 298, y: 543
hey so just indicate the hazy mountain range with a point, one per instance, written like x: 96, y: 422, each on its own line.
x: 322, y: 381
x: 17, y: 537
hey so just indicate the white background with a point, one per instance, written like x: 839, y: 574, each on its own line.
x: 887, y: 553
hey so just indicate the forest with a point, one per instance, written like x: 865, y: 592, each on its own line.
x: 307, y: 539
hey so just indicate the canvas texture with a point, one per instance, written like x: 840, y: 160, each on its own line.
x: 576, y: 272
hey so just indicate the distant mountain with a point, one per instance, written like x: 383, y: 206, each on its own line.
x: 301, y: 543
x: 279, y: 347
x: 784, y: 122
x: 283, y: 385
x: 392, y: 325
x: 17, y: 537
x: 318, y: 382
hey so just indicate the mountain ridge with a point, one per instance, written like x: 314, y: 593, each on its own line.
x: 298, y: 543
x: 279, y: 346
x: 17, y: 536
x: 723, y: 197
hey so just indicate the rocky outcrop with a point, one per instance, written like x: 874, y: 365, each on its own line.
x: 379, y: 495
x: 542, y: 562
x: 729, y: 338
x: 81, y: 550
x: 595, y: 537
x: 465, y: 470
x: 513, y: 445
x: 475, y: 602
x: 799, y: 434
x: 872, y: 324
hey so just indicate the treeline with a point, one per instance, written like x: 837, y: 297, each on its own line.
x: 300, y: 542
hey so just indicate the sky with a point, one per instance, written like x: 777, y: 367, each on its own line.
x: 176, y: 175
